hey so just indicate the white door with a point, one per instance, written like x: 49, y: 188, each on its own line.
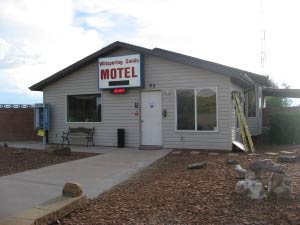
x: 151, y: 118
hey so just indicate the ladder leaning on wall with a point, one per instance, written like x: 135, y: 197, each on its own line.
x: 245, y: 132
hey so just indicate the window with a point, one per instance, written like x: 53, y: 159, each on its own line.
x: 185, y: 110
x: 206, y: 109
x: 84, y: 108
x: 197, y: 109
x: 251, y: 102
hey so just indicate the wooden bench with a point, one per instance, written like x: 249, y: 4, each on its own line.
x: 79, y: 132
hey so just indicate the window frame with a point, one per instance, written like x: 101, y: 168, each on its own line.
x: 66, y: 107
x: 195, y: 108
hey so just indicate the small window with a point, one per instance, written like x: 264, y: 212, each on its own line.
x: 197, y: 109
x: 251, y: 103
x: 84, y: 108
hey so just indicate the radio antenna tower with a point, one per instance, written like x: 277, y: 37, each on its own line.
x: 263, y: 54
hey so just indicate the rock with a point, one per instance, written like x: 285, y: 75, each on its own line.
x: 253, y: 154
x: 253, y: 189
x: 280, y: 185
x: 196, y: 165
x: 176, y: 153
x: 266, y: 165
x: 241, y: 172
x: 287, y: 158
x: 194, y: 152
x: 213, y: 153
x: 287, y: 152
x: 231, y: 162
x: 251, y: 176
x: 72, y: 190
x: 62, y: 151
x: 5, y: 145
x: 271, y: 153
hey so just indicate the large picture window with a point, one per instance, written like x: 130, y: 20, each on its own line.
x: 251, y: 100
x: 84, y: 108
x: 197, y: 109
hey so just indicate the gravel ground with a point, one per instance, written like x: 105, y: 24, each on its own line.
x: 13, y: 160
x: 168, y: 193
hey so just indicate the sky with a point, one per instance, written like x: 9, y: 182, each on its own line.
x: 41, y: 37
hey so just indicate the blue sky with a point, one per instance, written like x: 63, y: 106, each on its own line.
x: 37, y: 38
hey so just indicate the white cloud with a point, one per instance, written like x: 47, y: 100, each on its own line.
x: 40, y: 37
x: 3, y: 48
x: 42, y: 40
x: 98, y: 22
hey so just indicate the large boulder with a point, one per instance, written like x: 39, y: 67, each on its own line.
x: 253, y: 189
x: 266, y: 165
x: 280, y: 185
x: 241, y: 172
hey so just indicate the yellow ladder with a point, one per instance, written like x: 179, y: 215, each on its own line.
x: 245, y: 132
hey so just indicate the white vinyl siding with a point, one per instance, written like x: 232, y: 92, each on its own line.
x: 118, y: 111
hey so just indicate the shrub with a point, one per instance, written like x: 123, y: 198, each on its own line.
x: 285, y: 128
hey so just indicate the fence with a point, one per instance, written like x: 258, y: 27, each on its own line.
x: 17, y: 123
x: 267, y: 112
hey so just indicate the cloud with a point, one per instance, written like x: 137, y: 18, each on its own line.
x: 38, y: 38
x: 210, y: 30
x: 3, y: 48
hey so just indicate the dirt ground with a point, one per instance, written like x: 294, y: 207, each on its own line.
x: 14, y: 160
x: 168, y: 193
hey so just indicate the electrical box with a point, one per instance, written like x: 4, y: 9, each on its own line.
x: 42, y: 116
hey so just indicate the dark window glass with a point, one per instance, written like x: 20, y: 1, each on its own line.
x: 206, y: 109
x: 251, y: 104
x: 185, y: 110
x: 84, y: 108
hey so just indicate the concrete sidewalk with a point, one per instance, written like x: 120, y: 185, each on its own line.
x: 96, y: 174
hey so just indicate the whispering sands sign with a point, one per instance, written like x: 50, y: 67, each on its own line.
x: 121, y: 72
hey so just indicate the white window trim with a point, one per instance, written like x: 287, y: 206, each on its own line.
x: 195, y: 99
x: 66, y: 107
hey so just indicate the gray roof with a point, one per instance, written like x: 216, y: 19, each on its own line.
x: 240, y: 77
x: 283, y: 93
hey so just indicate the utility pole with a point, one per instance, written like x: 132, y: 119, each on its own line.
x: 263, y: 54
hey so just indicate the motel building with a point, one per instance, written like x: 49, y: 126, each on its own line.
x: 162, y: 99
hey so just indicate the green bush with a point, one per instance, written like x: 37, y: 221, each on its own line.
x: 285, y: 128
